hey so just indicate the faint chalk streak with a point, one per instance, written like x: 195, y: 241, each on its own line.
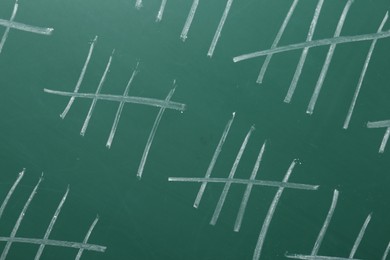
x: 81, y: 250
x: 315, y: 257
x: 161, y: 11
x: 380, y: 124
x: 138, y: 4
x: 188, y: 22
x: 386, y: 252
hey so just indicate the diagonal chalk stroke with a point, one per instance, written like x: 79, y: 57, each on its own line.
x: 76, y: 89
x: 316, y: 43
x: 226, y: 188
x: 214, y: 160
x: 380, y: 124
x: 94, y: 101
x: 315, y: 257
x: 138, y: 4
x: 360, y: 237
x: 190, y: 18
x: 270, y: 214
x: 118, y: 98
x: 161, y: 10
x: 219, y: 29
x: 245, y: 198
x: 305, y: 51
x: 78, y: 256
x: 276, y: 41
x: 50, y: 242
x: 328, y: 60
x: 51, y: 225
x: 362, y: 75
x: 19, y: 220
x: 153, y: 132
x: 120, y: 108
x: 5, y: 35
x: 10, y: 192
x: 386, y: 252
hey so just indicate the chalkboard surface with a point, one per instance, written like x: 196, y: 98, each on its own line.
x: 252, y: 129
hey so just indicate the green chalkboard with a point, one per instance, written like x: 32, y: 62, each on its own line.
x: 139, y: 129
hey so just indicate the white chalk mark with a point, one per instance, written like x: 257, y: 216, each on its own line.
x: 362, y: 75
x: 386, y: 252
x: 379, y: 124
x: 119, y: 98
x: 87, y: 237
x: 19, y: 220
x: 277, y: 184
x: 161, y: 10
x: 328, y: 60
x: 50, y: 242
x: 360, y: 237
x: 92, y: 107
x: 26, y: 27
x: 120, y: 108
x: 76, y: 89
x: 51, y: 225
x: 325, y: 226
x: 245, y: 198
x: 315, y: 257
x: 10, y: 192
x: 6, y: 32
x: 276, y: 41
x: 190, y: 18
x: 138, y: 4
x: 213, y: 161
x: 153, y: 132
x: 270, y: 214
x: 226, y: 188
x: 219, y: 29
x: 316, y: 43
x: 305, y: 51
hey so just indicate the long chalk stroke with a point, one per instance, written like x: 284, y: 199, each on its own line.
x: 219, y: 29
x: 81, y: 250
x: 363, y: 74
x: 161, y: 11
x: 45, y: 241
x: 190, y: 18
x: 329, y: 57
x: 360, y: 236
x: 305, y: 51
x: 381, y: 124
x: 386, y: 253
x: 276, y: 41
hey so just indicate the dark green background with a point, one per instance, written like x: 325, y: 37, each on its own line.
x: 152, y: 218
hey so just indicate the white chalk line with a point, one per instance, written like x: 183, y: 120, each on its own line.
x: 385, y: 254
x: 380, y: 124
x: 10, y: 192
x: 305, y: 51
x: 315, y: 257
x: 227, y: 185
x: 7, y: 29
x: 360, y: 236
x: 362, y: 75
x: 190, y: 18
x: 26, y: 28
x: 153, y: 133
x: 328, y: 60
x: 161, y: 11
x: 81, y: 250
x: 219, y: 29
x: 80, y: 80
x: 94, y: 101
x: 276, y: 41
x: 213, y: 161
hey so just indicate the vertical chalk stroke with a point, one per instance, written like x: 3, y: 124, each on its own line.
x: 153, y: 132
x: 226, y: 188
x: 6, y: 32
x: 10, y: 192
x: 360, y: 236
x: 80, y: 80
x: 120, y: 108
x: 363, y: 74
x: 190, y: 18
x: 219, y: 29
x: 380, y: 124
x: 248, y: 190
x: 276, y: 41
x: 138, y: 4
x: 94, y: 100
x: 328, y: 60
x: 19, y: 220
x: 270, y: 214
x: 387, y: 250
x: 85, y: 241
x: 305, y: 51
x: 214, y: 160
x: 161, y: 11
x: 51, y: 225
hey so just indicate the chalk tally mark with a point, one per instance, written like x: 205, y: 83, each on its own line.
x: 381, y: 124
x: 11, y: 24
x: 190, y: 18
x: 45, y: 241
x: 161, y: 10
